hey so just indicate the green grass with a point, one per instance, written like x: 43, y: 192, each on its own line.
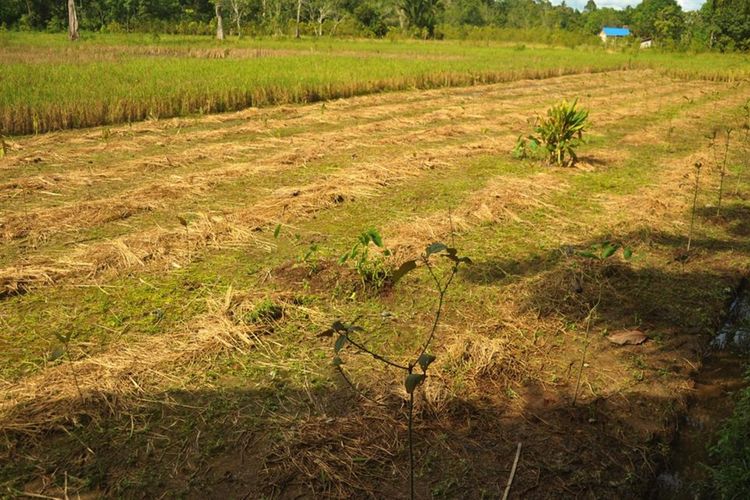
x: 47, y: 84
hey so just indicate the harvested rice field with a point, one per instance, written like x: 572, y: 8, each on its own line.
x: 164, y: 285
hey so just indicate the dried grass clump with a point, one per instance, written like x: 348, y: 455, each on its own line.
x: 341, y: 457
x: 123, y: 377
x: 473, y: 360
x: 17, y: 280
x: 571, y: 289
x: 42, y: 223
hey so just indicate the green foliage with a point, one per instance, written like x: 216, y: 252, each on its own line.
x: 731, y: 474
x: 559, y: 133
x: 266, y: 311
x: 370, y: 266
x: 605, y: 250
x: 345, y: 333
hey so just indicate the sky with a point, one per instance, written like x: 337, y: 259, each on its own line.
x: 619, y: 4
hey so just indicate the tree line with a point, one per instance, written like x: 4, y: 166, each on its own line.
x: 719, y: 25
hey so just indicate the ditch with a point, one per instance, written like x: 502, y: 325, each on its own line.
x: 687, y: 472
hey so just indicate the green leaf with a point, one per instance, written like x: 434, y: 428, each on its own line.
x: 465, y: 260
x: 182, y: 220
x: 609, y: 250
x: 56, y: 353
x: 413, y: 380
x: 627, y: 253
x: 375, y: 237
x: 403, y: 270
x: 277, y: 231
x: 590, y: 255
x: 337, y: 361
x: 339, y: 343
x: 344, y: 258
x: 435, y: 248
x: 338, y: 326
x: 425, y: 360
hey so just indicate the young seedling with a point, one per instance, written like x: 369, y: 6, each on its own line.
x: 588, y: 320
x: 64, y: 350
x: 723, y: 173
x: 415, y: 370
x: 697, y: 166
x: 184, y: 223
x: 371, y: 269
x: 605, y: 250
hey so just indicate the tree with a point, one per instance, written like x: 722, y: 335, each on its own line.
x: 296, y: 26
x: 239, y: 7
x: 647, y: 12
x: 371, y: 18
x: 669, y: 23
x: 728, y: 23
x: 219, y: 21
x: 421, y: 14
x: 72, y: 21
x: 590, y: 7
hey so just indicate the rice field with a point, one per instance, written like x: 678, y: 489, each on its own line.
x: 47, y: 85
x: 163, y: 282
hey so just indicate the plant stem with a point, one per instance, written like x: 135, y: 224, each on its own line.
x: 411, y: 446
x: 695, y: 201
x: 585, y: 347
x: 723, y: 173
x: 73, y: 372
x: 375, y: 355
x: 442, y: 290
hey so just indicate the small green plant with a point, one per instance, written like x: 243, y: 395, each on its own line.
x: 370, y: 266
x: 723, y: 172
x: 184, y: 223
x: 266, y: 311
x: 559, y: 133
x: 525, y: 148
x: 63, y: 350
x: 415, y: 370
x: 311, y: 258
x: 696, y: 189
x: 605, y: 250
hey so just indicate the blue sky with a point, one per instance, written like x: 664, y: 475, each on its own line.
x: 619, y: 4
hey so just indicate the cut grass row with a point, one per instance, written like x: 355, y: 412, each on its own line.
x: 77, y: 88
x: 361, y: 211
x: 301, y: 362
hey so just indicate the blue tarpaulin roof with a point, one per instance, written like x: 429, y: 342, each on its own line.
x: 610, y: 31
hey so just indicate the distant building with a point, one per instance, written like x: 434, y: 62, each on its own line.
x: 646, y: 43
x: 610, y: 33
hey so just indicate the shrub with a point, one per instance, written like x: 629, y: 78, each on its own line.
x: 558, y: 135
x: 731, y: 475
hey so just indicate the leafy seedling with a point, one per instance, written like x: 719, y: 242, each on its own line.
x: 414, y: 371
x: 558, y: 134
x: 370, y: 267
